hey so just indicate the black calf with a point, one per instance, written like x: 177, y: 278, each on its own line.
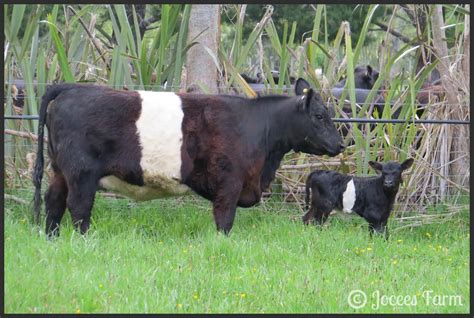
x: 370, y: 197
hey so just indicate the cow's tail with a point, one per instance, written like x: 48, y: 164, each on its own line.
x: 51, y: 93
x: 308, y: 188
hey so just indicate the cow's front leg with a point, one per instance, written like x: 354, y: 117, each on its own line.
x: 225, y: 206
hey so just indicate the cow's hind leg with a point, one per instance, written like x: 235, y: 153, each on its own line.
x: 80, y: 198
x: 55, y: 202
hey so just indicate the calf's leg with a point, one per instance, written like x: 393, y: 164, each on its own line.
x: 55, y: 202
x: 322, y: 214
x: 378, y: 227
x: 323, y: 209
x: 309, y: 216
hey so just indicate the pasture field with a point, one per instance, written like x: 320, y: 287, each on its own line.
x: 165, y: 256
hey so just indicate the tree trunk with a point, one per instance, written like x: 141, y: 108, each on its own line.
x: 201, y: 70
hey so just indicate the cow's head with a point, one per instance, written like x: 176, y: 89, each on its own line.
x: 313, y: 131
x: 365, y: 77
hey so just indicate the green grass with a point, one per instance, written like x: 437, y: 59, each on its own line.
x: 166, y: 256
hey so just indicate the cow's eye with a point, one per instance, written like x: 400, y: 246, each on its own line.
x: 319, y: 117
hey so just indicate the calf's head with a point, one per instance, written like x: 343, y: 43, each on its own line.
x: 313, y: 131
x: 391, y: 177
x: 391, y: 173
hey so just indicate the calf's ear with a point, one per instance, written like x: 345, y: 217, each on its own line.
x: 407, y: 163
x: 376, y: 165
x: 301, y: 85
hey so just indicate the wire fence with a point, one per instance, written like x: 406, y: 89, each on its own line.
x: 287, y: 191
x: 338, y: 120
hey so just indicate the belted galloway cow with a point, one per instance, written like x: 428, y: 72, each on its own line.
x: 147, y: 145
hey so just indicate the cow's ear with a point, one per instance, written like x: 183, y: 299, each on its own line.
x: 407, y: 163
x: 309, y: 93
x: 301, y: 85
x: 369, y: 72
x: 305, y: 100
x: 376, y: 165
